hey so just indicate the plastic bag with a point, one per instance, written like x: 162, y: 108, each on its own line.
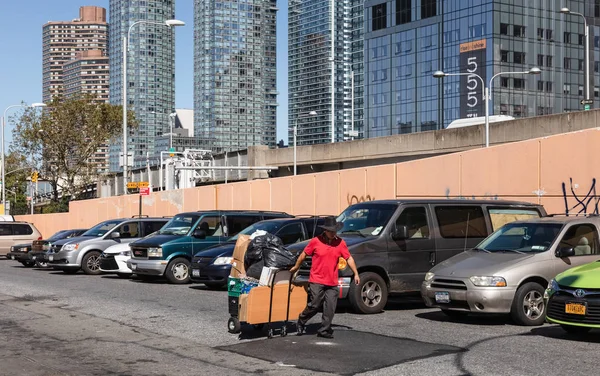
x: 269, y: 249
x: 255, y: 269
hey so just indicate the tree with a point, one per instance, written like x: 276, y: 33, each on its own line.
x: 17, y: 171
x: 62, y: 139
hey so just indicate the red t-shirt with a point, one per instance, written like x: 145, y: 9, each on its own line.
x: 325, y: 257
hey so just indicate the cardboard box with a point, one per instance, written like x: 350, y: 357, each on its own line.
x: 273, y: 276
x: 237, y: 265
x: 254, y: 308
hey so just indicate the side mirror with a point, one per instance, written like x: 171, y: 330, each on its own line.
x: 199, y: 234
x: 565, y: 252
x: 115, y: 235
x: 400, y: 233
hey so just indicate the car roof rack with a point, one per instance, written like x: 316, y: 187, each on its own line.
x: 573, y: 215
x: 139, y: 216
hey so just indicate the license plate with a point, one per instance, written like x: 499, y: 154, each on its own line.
x: 442, y: 297
x: 196, y: 272
x: 575, y: 308
x: 133, y: 266
x: 50, y: 258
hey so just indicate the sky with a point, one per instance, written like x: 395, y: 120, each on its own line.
x: 21, y: 24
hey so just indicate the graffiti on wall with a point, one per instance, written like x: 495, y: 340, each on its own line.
x: 486, y: 196
x: 354, y: 199
x: 579, y: 203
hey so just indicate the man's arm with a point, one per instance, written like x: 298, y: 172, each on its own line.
x: 352, y: 266
x: 298, y: 262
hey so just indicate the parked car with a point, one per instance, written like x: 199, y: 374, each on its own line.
x: 508, y: 271
x: 212, y: 265
x: 13, y: 233
x: 38, y: 249
x: 114, y: 260
x: 169, y: 252
x: 573, y: 296
x: 395, y: 242
x: 84, y: 253
x: 20, y: 253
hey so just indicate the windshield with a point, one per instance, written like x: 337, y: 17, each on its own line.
x: 101, y: 228
x: 522, y: 237
x: 179, y: 225
x: 270, y: 227
x: 58, y: 236
x: 366, y: 219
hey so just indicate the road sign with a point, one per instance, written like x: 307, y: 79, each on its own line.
x: 586, y: 107
x: 28, y: 198
x: 132, y: 185
x: 137, y: 184
x: 145, y: 191
x: 587, y: 101
x: 143, y: 184
x: 171, y: 152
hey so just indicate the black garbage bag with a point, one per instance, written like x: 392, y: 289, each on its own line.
x: 269, y: 249
x: 255, y: 269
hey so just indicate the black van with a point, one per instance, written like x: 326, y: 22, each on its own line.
x: 395, y: 242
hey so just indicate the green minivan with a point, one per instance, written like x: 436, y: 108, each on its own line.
x: 169, y: 251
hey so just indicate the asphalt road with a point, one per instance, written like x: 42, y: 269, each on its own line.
x: 57, y: 324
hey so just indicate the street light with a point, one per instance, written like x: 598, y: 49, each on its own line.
x: 312, y: 113
x: 168, y: 23
x: 487, y: 95
x: 34, y: 105
x: 587, y: 49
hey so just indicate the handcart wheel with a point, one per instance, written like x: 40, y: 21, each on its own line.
x: 258, y: 327
x: 233, y: 325
x: 284, y: 331
x: 270, y: 333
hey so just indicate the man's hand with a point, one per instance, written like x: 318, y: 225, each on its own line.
x: 294, y: 269
x: 356, y: 279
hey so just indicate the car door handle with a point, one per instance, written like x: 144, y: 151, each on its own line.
x: 432, y: 258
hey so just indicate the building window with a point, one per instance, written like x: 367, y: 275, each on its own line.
x: 566, y: 89
x: 580, y: 91
x: 519, y: 57
x: 549, y: 86
x: 596, y: 66
x: 403, y: 11
x: 503, y: 29
x: 428, y: 8
x: 519, y: 110
x: 540, y: 33
x: 519, y: 31
x: 519, y: 83
x: 503, y: 81
x: 567, y: 37
x: 504, y: 56
x: 596, y: 8
x: 548, y: 61
x: 379, y: 15
x: 540, y: 60
x: 549, y: 35
x: 581, y: 64
x: 596, y: 92
x: 540, y: 85
x: 581, y: 39
x: 596, y: 42
x: 567, y: 63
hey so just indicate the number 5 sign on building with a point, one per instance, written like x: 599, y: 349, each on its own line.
x: 472, y: 60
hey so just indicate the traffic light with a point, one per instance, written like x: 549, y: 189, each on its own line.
x: 34, y: 177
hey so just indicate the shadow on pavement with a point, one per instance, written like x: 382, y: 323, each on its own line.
x: 556, y: 332
x: 472, y: 319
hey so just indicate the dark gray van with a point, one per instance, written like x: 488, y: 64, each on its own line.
x: 395, y: 242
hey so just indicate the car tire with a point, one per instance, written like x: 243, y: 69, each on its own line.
x: 528, y: 307
x: 370, y: 296
x: 215, y: 285
x: 91, y: 263
x: 576, y: 330
x: 178, y: 271
x: 455, y: 315
x: 124, y: 275
x: 28, y: 264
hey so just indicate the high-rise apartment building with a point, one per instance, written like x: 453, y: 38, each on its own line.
x: 319, y: 70
x: 235, y: 88
x: 63, y: 40
x: 406, y: 41
x: 150, y: 72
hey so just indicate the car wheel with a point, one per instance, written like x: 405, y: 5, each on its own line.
x: 91, y: 263
x: 233, y: 325
x: 572, y: 329
x: 370, y: 296
x: 528, y: 307
x: 124, y: 275
x: 215, y: 285
x: 178, y: 271
x: 27, y: 264
x: 455, y: 315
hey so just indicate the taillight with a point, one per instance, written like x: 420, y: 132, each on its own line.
x: 40, y: 238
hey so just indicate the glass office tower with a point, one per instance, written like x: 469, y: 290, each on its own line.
x: 150, y: 73
x: 406, y: 41
x: 235, y: 91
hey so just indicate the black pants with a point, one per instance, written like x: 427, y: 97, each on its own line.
x: 320, y: 295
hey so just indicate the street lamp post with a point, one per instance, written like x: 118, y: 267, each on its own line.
x: 487, y: 93
x: 312, y: 113
x: 34, y: 105
x: 587, y: 49
x: 169, y: 23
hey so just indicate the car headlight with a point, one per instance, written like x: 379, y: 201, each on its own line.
x: 223, y: 260
x: 71, y: 246
x: 485, y: 281
x: 155, y: 252
x: 429, y: 276
x: 125, y: 253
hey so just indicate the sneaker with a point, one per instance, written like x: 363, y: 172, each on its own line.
x: 325, y: 335
x: 301, y: 329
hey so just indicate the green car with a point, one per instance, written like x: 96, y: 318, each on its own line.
x: 573, y: 299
